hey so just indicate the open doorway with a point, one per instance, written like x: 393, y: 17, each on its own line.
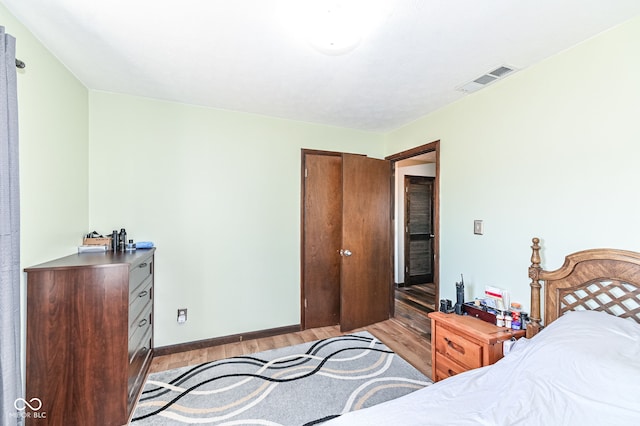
x: 416, y: 264
x: 414, y: 227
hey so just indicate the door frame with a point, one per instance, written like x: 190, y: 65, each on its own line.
x: 403, y: 155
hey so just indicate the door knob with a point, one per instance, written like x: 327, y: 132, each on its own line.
x: 345, y: 253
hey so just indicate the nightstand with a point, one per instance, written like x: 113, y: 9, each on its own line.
x: 461, y: 342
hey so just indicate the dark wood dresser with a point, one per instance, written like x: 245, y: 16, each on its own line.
x: 89, y: 337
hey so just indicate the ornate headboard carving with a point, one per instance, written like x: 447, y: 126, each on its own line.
x: 599, y: 279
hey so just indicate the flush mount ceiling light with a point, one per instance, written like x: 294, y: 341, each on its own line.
x: 334, y: 30
x: 335, y: 27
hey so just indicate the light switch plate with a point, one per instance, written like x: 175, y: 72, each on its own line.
x: 478, y: 227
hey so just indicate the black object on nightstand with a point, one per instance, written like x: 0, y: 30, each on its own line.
x: 460, y: 296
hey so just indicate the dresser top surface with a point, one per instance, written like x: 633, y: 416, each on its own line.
x: 94, y: 259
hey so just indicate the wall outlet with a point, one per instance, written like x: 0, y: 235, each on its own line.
x: 182, y: 315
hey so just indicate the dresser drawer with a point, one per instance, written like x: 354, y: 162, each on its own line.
x: 446, y: 367
x: 139, y: 273
x: 139, y: 301
x: 457, y: 348
x: 136, y: 371
x: 138, y: 332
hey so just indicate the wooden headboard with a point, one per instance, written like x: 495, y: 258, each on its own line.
x: 600, y: 279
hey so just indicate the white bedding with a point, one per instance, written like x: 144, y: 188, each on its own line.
x: 583, y: 369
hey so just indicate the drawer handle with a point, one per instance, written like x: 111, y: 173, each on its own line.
x: 454, y: 346
x: 143, y: 322
x: 143, y: 265
x: 143, y: 293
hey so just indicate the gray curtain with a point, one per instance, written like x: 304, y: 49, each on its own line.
x: 10, y: 369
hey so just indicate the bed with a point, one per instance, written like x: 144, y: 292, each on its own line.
x: 582, y: 367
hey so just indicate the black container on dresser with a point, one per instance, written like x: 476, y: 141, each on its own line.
x: 89, y: 336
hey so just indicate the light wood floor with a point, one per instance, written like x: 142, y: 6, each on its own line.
x: 411, y: 346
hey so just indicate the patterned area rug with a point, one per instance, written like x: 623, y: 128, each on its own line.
x: 298, y: 385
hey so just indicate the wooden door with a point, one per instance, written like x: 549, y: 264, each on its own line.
x: 322, y: 234
x: 365, y: 273
x: 346, y: 206
x: 419, y: 231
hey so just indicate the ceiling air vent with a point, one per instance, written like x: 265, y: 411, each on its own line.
x: 502, y: 71
x: 486, y: 79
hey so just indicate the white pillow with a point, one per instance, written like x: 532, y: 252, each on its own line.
x: 600, y: 347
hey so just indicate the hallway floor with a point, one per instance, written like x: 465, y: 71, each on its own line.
x: 413, y: 303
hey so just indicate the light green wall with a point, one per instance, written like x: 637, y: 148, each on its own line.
x: 551, y: 151
x: 218, y: 192
x: 53, y: 126
x: 53, y: 132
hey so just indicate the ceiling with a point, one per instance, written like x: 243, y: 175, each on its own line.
x: 255, y: 55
